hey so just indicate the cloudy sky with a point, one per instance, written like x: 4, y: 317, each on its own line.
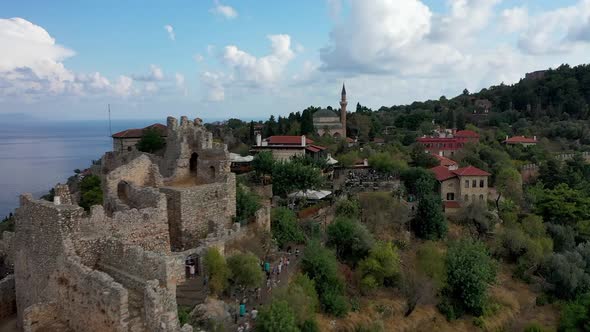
x: 249, y: 59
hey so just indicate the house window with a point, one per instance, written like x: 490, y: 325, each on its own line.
x: 450, y: 196
x: 466, y: 198
x: 481, y: 197
x: 466, y: 183
x: 481, y: 183
x: 474, y: 184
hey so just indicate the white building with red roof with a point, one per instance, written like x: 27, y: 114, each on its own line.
x: 461, y: 186
x: 522, y: 140
x: 287, y: 147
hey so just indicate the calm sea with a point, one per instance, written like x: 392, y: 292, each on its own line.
x: 34, y: 156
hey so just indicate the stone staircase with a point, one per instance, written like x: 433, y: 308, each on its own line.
x: 191, y: 292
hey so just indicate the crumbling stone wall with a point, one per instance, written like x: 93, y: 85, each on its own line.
x: 140, y: 172
x: 41, y: 227
x: 89, y: 300
x: 194, y: 212
x: 7, y: 247
x: 7, y: 297
x: 189, y: 139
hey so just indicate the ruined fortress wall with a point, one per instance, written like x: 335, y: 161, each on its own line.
x: 137, y: 265
x: 160, y: 309
x: 7, y: 297
x: 41, y: 228
x: 89, y: 300
x: 7, y: 247
x: 140, y: 172
x: 197, y: 211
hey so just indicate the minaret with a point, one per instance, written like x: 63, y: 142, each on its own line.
x: 343, y: 104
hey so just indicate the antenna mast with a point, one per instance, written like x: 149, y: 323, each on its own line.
x: 110, y: 128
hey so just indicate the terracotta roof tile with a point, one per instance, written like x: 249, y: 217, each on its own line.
x: 452, y: 204
x: 470, y: 171
x: 444, y: 161
x: 520, y: 139
x: 442, y: 173
x: 138, y: 132
x: 466, y: 133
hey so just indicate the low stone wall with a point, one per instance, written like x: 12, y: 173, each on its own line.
x: 90, y: 300
x: 7, y: 297
x: 40, y: 316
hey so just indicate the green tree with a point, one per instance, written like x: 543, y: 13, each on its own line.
x: 430, y: 222
x: 562, y: 205
x: 301, y: 296
x: 245, y: 270
x: 470, y: 270
x: 247, y: 203
x: 90, y: 192
x: 217, y: 270
x: 419, y: 181
x: 575, y: 315
x: 151, y: 140
x: 284, y: 227
x: 384, y: 162
x: 351, y: 239
x: 422, y: 159
x: 321, y: 266
x: 292, y: 176
x: 263, y: 163
x: 348, y: 208
x: 509, y: 185
x: 380, y: 267
x: 278, y: 316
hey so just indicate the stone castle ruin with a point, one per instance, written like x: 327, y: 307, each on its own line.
x: 117, y: 267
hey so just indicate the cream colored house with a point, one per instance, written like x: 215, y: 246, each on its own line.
x: 462, y: 186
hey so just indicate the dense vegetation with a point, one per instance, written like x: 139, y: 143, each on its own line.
x: 151, y: 141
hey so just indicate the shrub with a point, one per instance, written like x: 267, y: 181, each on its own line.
x: 470, y: 270
x: 217, y: 269
x: 431, y: 262
x: 534, y: 327
x: 301, y: 296
x: 348, y: 208
x: 90, y: 192
x: 321, y: 266
x: 284, y: 227
x: 247, y: 203
x: 380, y: 266
x: 245, y: 269
x: 575, y: 315
x: 278, y: 316
x: 263, y: 163
x: 351, y: 239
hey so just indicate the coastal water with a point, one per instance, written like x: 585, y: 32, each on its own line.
x: 35, y: 155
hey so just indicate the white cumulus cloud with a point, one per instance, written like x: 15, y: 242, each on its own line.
x: 170, y: 31
x: 262, y: 70
x: 224, y: 10
x: 213, y: 84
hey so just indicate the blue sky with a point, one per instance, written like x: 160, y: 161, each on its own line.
x: 250, y: 59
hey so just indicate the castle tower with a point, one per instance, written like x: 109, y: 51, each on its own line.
x: 343, y: 104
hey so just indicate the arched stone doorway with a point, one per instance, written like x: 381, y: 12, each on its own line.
x: 193, y: 163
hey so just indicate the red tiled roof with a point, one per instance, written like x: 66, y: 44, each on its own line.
x: 442, y: 173
x: 520, y: 139
x: 287, y: 140
x: 349, y: 140
x: 444, y: 161
x: 466, y: 133
x: 452, y: 204
x: 378, y: 140
x: 138, y: 133
x: 314, y: 148
x: 470, y: 171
